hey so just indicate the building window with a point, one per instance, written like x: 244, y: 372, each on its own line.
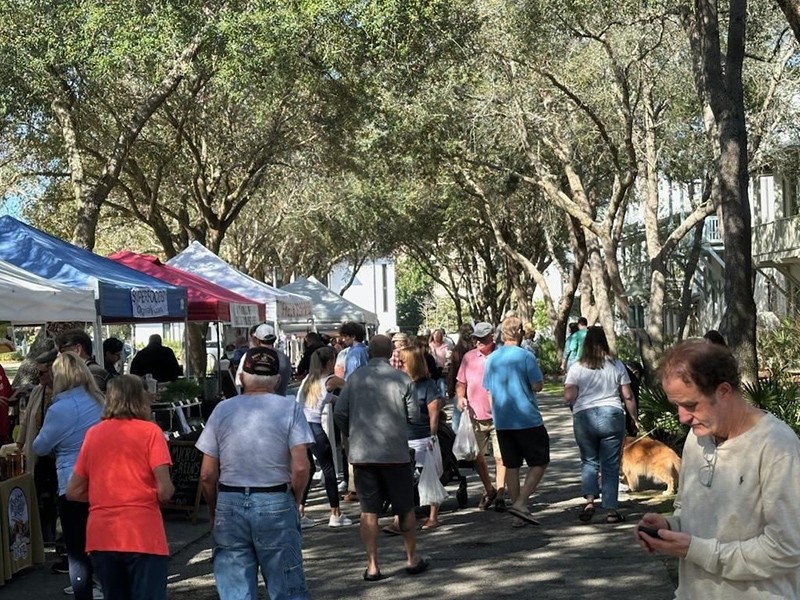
x: 385, y: 273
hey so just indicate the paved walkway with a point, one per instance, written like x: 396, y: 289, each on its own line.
x: 474, y: 553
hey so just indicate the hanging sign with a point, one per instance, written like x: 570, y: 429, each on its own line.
x: 149, y: 303
x: 244, y: 315
x: 297, y: 310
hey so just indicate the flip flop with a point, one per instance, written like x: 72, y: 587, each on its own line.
x: 500, y: 505
x: 517, y: 523
x: 587, y: 513
x: 391, y: 530
x: 418, y: 568
x: 428, y: 527
x: 487, y: 500
x: 615, y: 518
x: 374, y: 577
x: 525, y: 516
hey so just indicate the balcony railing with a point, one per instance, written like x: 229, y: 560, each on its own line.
x: 711, y: 231
x: 777, y: 241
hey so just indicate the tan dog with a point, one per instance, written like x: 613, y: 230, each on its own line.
x: 650, y: 459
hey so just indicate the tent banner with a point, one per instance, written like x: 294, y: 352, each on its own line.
x: 148, y: 303
x: 288, y: 310
x: 244, y: 315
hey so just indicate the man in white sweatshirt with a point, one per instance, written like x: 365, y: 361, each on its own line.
x: 736, y: 526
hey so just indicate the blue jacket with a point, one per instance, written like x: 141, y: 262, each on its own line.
x: 65, y: 425
x: 356, y: 357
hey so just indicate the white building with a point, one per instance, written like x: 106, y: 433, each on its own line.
x: 373, y: 288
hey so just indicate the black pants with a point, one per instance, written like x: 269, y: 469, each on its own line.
x: 132, y: 575
x: 74, y: 516
x: 46, y: 481
x: 321, y: 449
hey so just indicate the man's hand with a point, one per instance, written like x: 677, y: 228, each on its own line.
x: 563, y: 367
x: 462, y: 404
x: 673, y: 543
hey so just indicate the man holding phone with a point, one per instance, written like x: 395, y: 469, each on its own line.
x: 736, y: 526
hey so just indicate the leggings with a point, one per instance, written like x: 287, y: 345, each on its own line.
x: 321, y: 449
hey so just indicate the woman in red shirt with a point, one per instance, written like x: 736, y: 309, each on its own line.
x: 123, y: 472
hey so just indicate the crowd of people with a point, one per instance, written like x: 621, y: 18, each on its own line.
x: 378, y: 410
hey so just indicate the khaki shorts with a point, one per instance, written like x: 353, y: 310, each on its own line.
x: 483, y: 431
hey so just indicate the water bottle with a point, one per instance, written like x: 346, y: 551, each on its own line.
x: 152, y: 384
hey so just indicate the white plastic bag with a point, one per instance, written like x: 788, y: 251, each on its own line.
x: 431, y: 490
x: 436, y: 450
x: 465, y: 446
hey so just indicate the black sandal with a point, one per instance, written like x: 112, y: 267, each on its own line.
x: 418, y: 568
x: 587, y: 513
x: 614, y: 518
x: 487, y: 500
x: 374, y: 577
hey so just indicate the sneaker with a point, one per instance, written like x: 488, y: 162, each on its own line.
x: 341, y: 521
x: 69, y: 591
x: 61, y: 567
x: 342, y: 487
x: 306, y: 522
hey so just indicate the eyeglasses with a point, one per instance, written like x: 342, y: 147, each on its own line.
x: 707, y: 470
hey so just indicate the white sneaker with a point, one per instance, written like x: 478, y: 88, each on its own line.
x: 306, y: 522
x: 341, y: 521
x: 97, y: 593
x: 342, y: 487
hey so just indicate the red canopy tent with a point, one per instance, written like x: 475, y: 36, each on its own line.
x: 207, y: 301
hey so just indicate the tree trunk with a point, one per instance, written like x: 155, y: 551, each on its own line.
x: 724, y: 90
x: 688, y: 279
x: 791, y: 8
x: 601, y: 291
x: 198, y: 354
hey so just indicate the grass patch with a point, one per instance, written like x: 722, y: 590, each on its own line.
x: 554, y: 387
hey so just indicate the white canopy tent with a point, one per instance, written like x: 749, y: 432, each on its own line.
x: 281, y: 306
x: 26, y: 298
x: 330, y: 309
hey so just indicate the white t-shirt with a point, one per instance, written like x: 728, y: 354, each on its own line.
x: 341, y: 358
x: 314, y: 415
x: 597, y: 387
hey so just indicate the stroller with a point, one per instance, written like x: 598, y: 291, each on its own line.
x: 447, y: 438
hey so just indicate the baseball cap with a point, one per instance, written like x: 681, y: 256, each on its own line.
x: 482, y: 330
x: 265, y: 333
x: 261, y: 361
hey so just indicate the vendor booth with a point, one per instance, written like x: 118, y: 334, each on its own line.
x: 281, y: 306
x: 26, y: 298
x: 330, y: 309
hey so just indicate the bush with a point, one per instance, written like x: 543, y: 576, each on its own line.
x: 658, y: 414
x: 777, y: 396
x: 547, y: 357
x: 778, y: 349
x: 11, y: 357
x: 627, y: 350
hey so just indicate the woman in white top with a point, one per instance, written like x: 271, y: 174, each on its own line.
x: 592, y: 388
x: 314, y: 394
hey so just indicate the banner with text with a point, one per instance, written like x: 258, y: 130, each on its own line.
x: 244, y: 315
x: 149, y: 303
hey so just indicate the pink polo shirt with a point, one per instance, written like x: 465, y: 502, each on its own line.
x: 471, y: 373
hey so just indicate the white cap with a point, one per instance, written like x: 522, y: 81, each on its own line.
x: 264, y: 332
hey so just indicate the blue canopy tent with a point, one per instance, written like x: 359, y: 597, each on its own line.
x: 122, y: 295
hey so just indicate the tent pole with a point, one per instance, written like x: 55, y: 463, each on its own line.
x: 219, y: 357
x: 98, y: 341
x: 187, y: 363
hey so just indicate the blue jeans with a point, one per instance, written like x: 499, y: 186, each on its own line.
x: 456, y: 415
x: 600, y: 433
x: 258, y: 530
x: 131, y: 575
x: 321, y: 450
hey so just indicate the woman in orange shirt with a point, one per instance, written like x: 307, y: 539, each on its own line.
x: 123, y: 472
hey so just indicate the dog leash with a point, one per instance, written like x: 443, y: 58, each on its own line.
x: 639, y: 439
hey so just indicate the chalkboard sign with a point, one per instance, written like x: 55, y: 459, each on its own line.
x: 186, y: 463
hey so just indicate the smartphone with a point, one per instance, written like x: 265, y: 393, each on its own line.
x: 651, y: 531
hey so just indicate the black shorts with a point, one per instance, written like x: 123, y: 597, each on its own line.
x: 378, y: 484
x: 532, y: 445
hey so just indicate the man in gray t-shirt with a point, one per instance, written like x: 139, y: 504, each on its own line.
x: 255, y: 448
x: 264, y: 336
